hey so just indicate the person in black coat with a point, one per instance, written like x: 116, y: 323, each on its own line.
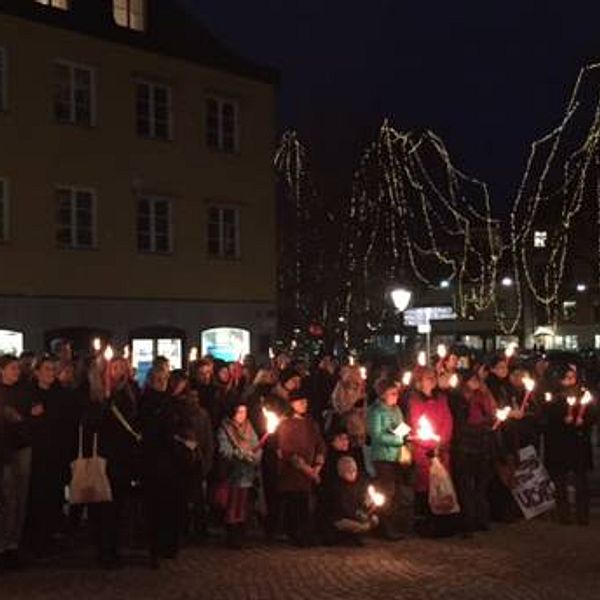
x: 568, y: 418
x: 166, y: 456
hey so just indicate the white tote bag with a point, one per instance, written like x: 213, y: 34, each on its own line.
x: 89, y: 482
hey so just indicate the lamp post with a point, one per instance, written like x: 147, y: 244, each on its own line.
x: 401, y: 297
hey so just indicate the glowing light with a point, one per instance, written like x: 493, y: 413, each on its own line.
x: 425, y: 430
x: 510, y: 350
x: 193, y: 355
x: 571, y: 400
x: 126, y: 353
x: 406, y: 378
x: 97, y: 344
x: 453, y: 380
x: 422, y: 358
x: 376, y: 497
x: 271, y: 353
x: 548, y: 397
x: 444, y: 284
x: 272, y: 421
x: 363, y: 373
x: 401, y: 298
x: 507, y: 281
x: 529, y: 384
x: 442, y: 351
x: 109, y: 353
x: 503, y: 413
x: 581, y: 287
x: 586, y: 398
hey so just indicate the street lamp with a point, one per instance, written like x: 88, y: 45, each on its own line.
x: 401, y: 298
x: 507, y: 281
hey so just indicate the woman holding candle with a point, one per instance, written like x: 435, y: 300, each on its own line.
x: 428, y: 409
x: 568, y: 419
x: 240, y: 452
x: 392, y: 477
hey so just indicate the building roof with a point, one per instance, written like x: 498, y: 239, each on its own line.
x: 170, y: 30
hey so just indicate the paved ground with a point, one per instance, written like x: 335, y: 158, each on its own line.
x: 525, y: 561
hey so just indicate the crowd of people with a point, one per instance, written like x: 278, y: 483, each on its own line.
x: 321, y: 453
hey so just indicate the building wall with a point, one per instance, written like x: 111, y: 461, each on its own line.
x: 37, y: 154
x: 114, y: 285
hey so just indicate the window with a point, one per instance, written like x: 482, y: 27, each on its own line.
x: 153, y: 110
x: 75, y: 218
x: 540, y: 239
x: 130, y: 14
x: 222, y: 124
x: 3, y: 210
x: 73, y: 94
x: 597, y: 341
x: 569, y: 310
x: 154, y: 225
x: 223, y: 232
x: 571, y: 342
x: 62, y: 4
x: 3, y: 79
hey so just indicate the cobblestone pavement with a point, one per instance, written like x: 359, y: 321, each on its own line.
x: 527, y: 561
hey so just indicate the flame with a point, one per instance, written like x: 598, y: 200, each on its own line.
x: 271, y: 353
x: 109, y: 353
x: 425, y: 430
x: 442, y: 351
x: 97, y: 344
x: 502, y: 413
x: 422, y: 358
x: 272, y: 421
x: 363, y: 373
x: 454, y: 380
x: 376, y: 497
x: 529, y: 383
x: 586, y: 398
x: 571, y: 400
x: 406, y: 378
x: 126, y: 353
x: 548, y: 397
x: 351, y: 360
x: 193, y: 355
x: 510, y: 350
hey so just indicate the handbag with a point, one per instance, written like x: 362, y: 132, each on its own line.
x: 89, y: 481
x: 442, y: 496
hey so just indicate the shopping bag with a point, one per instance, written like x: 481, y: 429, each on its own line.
x: 89, y: 481
x: 442, y: 496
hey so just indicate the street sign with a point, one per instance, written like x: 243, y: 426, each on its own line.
x: 423, y: 315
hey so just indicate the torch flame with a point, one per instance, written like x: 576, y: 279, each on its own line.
x: 193, y: 355
x: 425, y: 430
x: 548, y: 397
x: 272, y: 421
x: 97, y: 344
x: 529, y: 383
x: 406, y: 378
x: 510, y: 350
x: 502, y: 413
x: 376, y: 497
x: 126, y: 353
x: 586, y: 398
x: 422, y: 358
x: 454, y: 380
x: 442, y: 351
x: 571, y: 400
x: 109, y: 353
x: 363, y: 373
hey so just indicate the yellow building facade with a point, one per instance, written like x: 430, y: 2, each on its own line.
x: 136, y: 181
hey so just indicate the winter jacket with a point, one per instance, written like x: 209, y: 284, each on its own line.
x: 381, y: 422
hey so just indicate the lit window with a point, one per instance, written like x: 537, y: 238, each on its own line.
x: 130, y: 14
x: 223, y: 232
x: 222, y: 124
x: 569, y: 310
x: 11, y: 342
x: 153, y: 110
x: 62, y: 4
x: 540, y: 239
x: 73, y: 94
x: 226, y: 343
x: 597, y: 342
x: 154, y: 225
x: 3, y: 79
x: 3, y: 210
x: 571, y: 342
x: 75, y: 218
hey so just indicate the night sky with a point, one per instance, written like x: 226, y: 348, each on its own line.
x: 488, y: 76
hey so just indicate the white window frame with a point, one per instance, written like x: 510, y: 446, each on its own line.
x: 72, y: 66
x: 221, y: 254
x: 152, y: 85
x: 129, y: 14
x: 540, y: 238
x: 221, y: 101
x: 60, y: 4
x: 74, y: 189
x: 153, y: 200
x: 3, y: 79
x: 5, y: 210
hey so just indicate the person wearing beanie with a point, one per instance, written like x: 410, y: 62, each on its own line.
x: 301, y: 453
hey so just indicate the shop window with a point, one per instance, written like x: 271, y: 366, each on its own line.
x: 226, y: 343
